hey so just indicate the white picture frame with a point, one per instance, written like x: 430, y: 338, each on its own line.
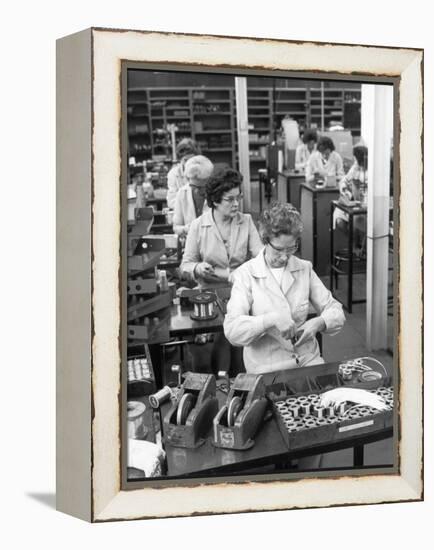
x: 89, y: 480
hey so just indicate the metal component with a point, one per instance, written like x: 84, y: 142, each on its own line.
x: 234, y: 407
x: 177, y: 369
x: 135, y: 411
x: 204, y: 306
x: 318, y: 411
x: 295, y: 411
x: 330, y: 412
x: 306, y: 409
x: 160, y: 397
x: 185, y: 405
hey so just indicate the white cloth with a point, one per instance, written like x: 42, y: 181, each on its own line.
x: 175, y: 180
x: 185, y: 211
x: 145, y: 456
x: 332, y: 167
x: 255, y: 293
x: 205, y: 244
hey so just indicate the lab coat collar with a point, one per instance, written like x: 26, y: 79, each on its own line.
x: 260, y: 270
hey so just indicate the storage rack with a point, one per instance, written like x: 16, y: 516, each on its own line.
x: 208, y: 115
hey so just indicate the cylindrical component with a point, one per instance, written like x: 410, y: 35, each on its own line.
x: 295, y: 411
x: 135, y: 411
x: 318, y: 411
x: 347, y: 373
x: 306, y: 408
x: 160, y: 397
x: 164, y: 284
x: 330, y: 412
x: 341, y: 408
x: 301, y: 399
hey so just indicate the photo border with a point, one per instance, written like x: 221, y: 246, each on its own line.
x: 109, y: 48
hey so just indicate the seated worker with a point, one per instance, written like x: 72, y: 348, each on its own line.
x: 305, y: 149
x: 222, y: 238
x: 352, y: 187
x: 268, y: 308
x: 190, y: 199
x: 218, y: 242
x: 324, y: 162
x: 176, y: 179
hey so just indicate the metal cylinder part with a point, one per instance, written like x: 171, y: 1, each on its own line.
x: 306, y: 409
x: 295, y: 411
x: 341, y: 408
x: 135, y: 412
x: 330, y: 412
x: 160, y: 397
x: 318, y: 411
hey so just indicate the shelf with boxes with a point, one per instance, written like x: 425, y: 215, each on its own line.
x: 208, y: 115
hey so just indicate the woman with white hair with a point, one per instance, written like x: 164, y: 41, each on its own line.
x: 190, y: 200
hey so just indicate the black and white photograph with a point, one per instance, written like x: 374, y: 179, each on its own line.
x: 260, y: 266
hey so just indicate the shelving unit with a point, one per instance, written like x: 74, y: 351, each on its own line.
x: 208, y: 115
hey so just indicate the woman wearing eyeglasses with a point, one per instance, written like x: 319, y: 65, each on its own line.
x: 269, y: 304
x: 190, y: 199
x: 222, y: 238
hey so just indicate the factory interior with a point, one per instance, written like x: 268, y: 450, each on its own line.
x: 198, y: 401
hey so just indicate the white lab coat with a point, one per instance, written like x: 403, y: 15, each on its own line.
x: 175, y: 181
x: 255, y: 292
x: 205, y: 244
x: 185, y: 212
x: 302, y: 155
x: 334, y: 166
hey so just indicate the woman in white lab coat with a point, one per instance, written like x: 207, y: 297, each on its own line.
x: 271, y: 294
x: 305, y: 149
x: 190, y: 199
x: 176, y: 179
x: 222, y: 238
x: 325, y: 162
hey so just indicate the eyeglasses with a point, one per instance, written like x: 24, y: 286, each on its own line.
x: 285, y: 251
x: 231, y: 200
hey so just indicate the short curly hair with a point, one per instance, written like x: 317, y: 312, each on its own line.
x: 199, y: 167
x: 325, y: 143
x: 187, y: 147
x: 280, y: 219
x: 223, y: 179
x: 310, y: 135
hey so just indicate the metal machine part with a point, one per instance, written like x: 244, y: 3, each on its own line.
x: 234, y: 407
x: 185, y: 406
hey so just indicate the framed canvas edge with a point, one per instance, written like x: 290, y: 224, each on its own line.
x: 114, y: 504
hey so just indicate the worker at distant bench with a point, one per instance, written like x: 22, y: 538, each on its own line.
x: 305, y: 149
x: 269, y: 304
x: 176, y: 178
x: 190, y: 200
x: 325, y: 162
